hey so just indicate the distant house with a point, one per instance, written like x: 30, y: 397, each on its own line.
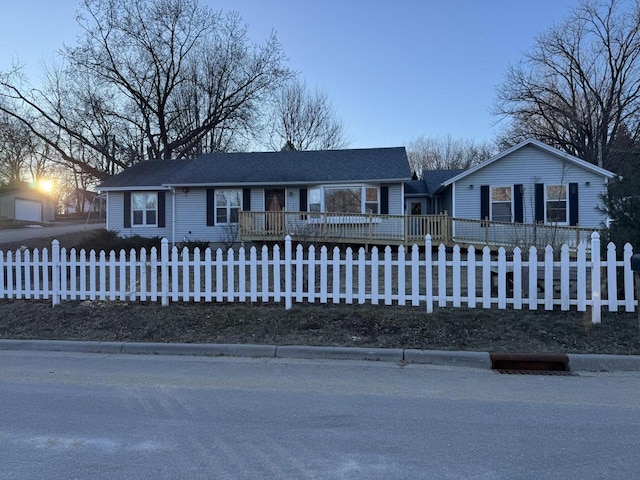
x: 224, y: 197
x: 24, y: 203
x: 82, y: 201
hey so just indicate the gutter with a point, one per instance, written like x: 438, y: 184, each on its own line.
x: 173, y: 216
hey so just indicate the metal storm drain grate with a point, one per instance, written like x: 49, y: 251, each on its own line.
x: 530, y: 364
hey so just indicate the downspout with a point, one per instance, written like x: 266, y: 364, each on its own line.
x: 173, y: 216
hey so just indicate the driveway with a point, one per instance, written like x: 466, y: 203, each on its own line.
x: 37, y: 231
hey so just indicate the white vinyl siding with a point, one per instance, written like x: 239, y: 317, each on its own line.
x: 396, y: 200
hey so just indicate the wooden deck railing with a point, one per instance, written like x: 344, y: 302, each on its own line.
x: 507, y: 234
x: 402, y: 229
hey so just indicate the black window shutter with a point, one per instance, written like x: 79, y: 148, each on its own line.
x: 484, y: 202
x: 539, y: 203
x: 303, y: 200
x: 127, y: 209
x: 246, y: 199
x: 518, y: 207
x: 384, y: 200
x: 573, y: 204
x: 210, y: 207
x: 161, y: 209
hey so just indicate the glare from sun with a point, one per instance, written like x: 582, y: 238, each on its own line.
x: 46, y: 185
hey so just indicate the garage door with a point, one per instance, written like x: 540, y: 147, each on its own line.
x: 28, y: 210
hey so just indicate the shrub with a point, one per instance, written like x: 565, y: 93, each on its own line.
x: 193, y: 244
x: 108, y: 240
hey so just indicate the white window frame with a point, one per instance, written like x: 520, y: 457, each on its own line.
x: 228, y: 207
x: 492, y: 202
x: 316, y: 198
x: 565, y: 200
x: 145, y: 212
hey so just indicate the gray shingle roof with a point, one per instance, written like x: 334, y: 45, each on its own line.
x: 431, y: 182
x: 435, y: 178
x: 355, y: 165
x: 415, y: 188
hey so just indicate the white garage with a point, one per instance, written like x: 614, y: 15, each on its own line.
x: 26, y: 204
x: 28, y: 210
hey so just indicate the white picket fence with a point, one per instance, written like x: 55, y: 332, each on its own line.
x: 472, y: 278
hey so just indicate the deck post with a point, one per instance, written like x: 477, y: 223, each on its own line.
x: 486, y: 231
x: 406, y: 229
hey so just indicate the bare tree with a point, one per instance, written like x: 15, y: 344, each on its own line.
x: 148, y: 78
x: 441, y: 153
x: 16, y: 151
x: 305, y: 120
x: 579, y: 86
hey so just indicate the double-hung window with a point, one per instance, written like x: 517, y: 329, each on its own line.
x: 501, y: 204
x: 144, y: 208
x: 227, y: 205
x: 371, y: 200
x: 556, y: 202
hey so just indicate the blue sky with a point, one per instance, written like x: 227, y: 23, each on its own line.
x: 394, y: 69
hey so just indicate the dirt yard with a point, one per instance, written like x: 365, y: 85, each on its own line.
x: 337, y: 325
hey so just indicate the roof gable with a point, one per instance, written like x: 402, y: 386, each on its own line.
x: 430, y: 183
x: 322, y: 166
x: 537, y: 144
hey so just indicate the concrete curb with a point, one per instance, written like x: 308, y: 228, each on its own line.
x: 199, y: 349
x: 577, y: 362
x: 444, y: 357
x: 603, y: 363
x: 61, y: 346
x: 341, y: 353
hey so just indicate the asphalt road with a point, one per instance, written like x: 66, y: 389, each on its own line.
x: 77, y: 416
x: 19, y: 234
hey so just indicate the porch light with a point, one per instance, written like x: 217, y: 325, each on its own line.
x: 185, y: 189
x: 471, y: 187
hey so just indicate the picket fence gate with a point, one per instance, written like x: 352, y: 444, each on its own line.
x: 474, y: 278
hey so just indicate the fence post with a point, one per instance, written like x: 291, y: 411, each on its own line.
x: 628, y: 279
x: 428, y: 274
x: 288, y: 281
x: 164, y: 272
x: 596, y: 300
x: 55, y: 273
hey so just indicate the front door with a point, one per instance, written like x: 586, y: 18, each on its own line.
x: 274, y: 205
x: 416, y: 207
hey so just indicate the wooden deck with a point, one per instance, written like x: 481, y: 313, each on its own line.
x: 371, y: 229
